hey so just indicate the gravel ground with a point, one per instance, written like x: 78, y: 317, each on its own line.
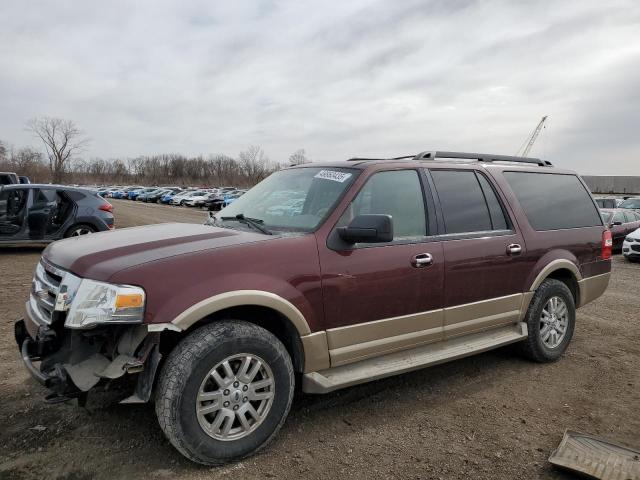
x: 486, y: 417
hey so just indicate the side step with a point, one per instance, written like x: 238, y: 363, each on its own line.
x: 395, y: 363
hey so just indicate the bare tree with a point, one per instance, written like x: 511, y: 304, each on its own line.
x: 254, y: 164
x: 62, y: 140
x: 298, y: 157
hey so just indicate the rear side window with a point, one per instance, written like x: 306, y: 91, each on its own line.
x: 553, y: 201
x: 44, y: 195
x: 468, y: 202
x: 75, y: 195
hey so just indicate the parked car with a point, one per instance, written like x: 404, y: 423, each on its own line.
x: 153, y: 195
x: 181, y: 199
x: 198, y: 200
x: 133, y: 193
x: 31, y: 213
x: 621, y: 222
x: 631, y: 202
x: 214, y: 202
x: 166, y: 198
x: 607, y: 202
x: 631, y: 246
x: 231, y: 197
x: 8, y: 178
x: 388, y: 267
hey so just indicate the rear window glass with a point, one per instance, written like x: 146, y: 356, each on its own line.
x: 553, y: 201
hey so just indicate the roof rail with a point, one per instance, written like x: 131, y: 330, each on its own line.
x: 481, y: 157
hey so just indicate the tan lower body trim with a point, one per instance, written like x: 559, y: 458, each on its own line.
x: 526, y: 301
x: 483, y: 315
x: 316, y: 352
x: 365, y: 340
x: 592, y: 287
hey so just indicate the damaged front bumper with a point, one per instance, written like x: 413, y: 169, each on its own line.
x: 73, y: 362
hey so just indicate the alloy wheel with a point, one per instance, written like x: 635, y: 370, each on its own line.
x: 235, y: 397
x: 554, y: 322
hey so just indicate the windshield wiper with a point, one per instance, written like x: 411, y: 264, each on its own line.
x: 252, y: 222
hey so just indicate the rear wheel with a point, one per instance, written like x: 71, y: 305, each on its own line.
x: 224, y: 392
x: 550, y: 321
x: 78, y: 230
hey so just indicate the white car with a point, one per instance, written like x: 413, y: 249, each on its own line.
x: 631, y: 246
x: 196, y: 200
x: 183, y: 199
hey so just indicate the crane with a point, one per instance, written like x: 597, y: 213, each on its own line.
x: 531, y: 139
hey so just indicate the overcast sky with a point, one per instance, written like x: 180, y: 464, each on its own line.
x: 338, y: 78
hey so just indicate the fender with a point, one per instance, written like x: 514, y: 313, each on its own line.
x: 548, y: 269
x: 239, y: 298
x: 561, y: 263
x: 314, y: 345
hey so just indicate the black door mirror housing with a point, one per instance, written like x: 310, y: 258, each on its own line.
x: 370, y: 228
x: 615, y: 224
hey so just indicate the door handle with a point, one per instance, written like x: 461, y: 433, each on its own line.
x: 422, y: 260
x: 514, y: 249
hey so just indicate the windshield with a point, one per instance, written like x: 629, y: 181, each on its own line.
x: 606, y: 216
x: 295, y: 200
x: 630, y: 203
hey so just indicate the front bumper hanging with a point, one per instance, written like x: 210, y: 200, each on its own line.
x: 71, y: 363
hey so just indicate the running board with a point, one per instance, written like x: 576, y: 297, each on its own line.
x: 396, y: 363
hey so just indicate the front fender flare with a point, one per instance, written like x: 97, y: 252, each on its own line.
x: 240, y: 298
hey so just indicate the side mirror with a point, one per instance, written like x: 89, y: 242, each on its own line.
x: 372, y: 228
x: 614, y: 224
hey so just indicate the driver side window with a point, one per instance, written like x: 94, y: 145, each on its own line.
x: 397, y: 193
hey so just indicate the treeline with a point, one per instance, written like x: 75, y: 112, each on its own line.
x: 250, y: 167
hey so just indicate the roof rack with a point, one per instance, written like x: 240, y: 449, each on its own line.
x: 481, y: 157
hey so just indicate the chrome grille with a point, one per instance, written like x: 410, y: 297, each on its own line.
x: 44, y: 291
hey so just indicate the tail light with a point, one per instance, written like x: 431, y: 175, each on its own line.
x: 607, y: 244
x: 106, y: 207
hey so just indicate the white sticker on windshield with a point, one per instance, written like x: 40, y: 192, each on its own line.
x: 331, y: 175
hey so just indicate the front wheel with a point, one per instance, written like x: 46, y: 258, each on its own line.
x: 550, y: 321
x: 224, y: 392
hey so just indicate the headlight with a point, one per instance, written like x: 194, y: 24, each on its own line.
x: 96, y: 303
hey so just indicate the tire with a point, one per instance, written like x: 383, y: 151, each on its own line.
x: 79, y: 230
x: 536, y: 347
x: 188, y: 370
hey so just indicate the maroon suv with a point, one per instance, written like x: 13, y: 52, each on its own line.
x: 329, y: 275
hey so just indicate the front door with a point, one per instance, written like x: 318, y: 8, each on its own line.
x: 483, y: 251
x: 380, y: 298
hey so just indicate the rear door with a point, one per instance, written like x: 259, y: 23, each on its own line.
x: 42, y: 212
x: 484, y: 277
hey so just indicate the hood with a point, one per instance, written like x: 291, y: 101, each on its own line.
x: 100, y: 255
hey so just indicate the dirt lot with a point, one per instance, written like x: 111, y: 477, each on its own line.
x: 491, y: 416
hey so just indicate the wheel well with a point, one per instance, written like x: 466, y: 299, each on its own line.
x: 566, y: 276
x: 265, y: 317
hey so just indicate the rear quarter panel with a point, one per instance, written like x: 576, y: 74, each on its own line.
x: 581, y: 246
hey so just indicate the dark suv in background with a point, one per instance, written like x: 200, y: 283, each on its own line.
x: 43, y: 213
x: 327, y: 275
